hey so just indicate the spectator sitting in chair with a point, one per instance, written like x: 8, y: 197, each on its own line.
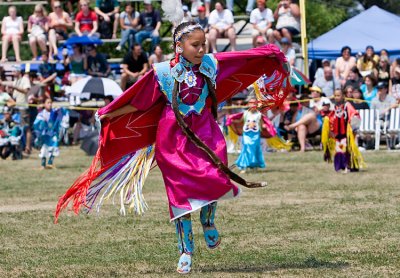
x: 287, y: 15
x: 134, y: 66
x: 383, y: 102
x: 86, y: 21
x: 306, y: 123
x: 108, y: 12
x: 97, y: 64
x: 221, y: 26
x: 262, y: 19
x: 150, y: 22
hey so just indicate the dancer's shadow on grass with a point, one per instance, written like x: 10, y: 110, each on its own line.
x: 309, y: 263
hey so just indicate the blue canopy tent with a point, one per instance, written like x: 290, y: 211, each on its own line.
x: 374, y: 26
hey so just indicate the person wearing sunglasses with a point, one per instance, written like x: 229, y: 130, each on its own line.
x: 59, y: 23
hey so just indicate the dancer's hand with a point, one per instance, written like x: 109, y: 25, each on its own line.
x: 106, y: 116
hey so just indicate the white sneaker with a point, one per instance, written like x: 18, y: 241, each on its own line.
x: 118, y: 48
x: 397, y: 147
x: 362, y: 149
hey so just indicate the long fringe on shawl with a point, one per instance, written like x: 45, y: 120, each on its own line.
x: 328, y: 143
x: 127, y: 177
x: 278, y: 143
x: 356, y: 159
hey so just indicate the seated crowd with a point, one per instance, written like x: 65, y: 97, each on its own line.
x: 368, y: 77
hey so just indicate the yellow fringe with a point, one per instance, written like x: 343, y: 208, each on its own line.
x: 279, y: 144
x: 129, y: 182
x: 232, y: 136
x: 328, y: 143
x: 356, y: 159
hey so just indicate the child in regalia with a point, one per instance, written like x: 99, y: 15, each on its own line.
x: 170, y: 114
x: 47, y: 127
x: 338, y: 139
x: 251, y: 155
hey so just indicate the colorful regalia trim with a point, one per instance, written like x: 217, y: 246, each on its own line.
x: 124, y: 179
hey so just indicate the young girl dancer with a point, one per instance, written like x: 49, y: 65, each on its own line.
x: 337, y: 135
x: 251, y: 156
x: 170, y: 113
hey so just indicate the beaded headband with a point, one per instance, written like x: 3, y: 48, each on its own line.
x: 186, y: 30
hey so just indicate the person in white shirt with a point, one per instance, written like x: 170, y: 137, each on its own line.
x: 221, y: 25
x: 12, y: 29
x: 262, y: 18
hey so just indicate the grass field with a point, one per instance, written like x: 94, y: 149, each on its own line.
x: 309, y: 222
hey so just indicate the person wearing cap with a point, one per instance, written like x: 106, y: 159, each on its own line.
x: 367, y: 62
x: 108, y: 13
x: 328, y: 83
x: 288, y: 50
x: 221, y: 25
x: 287, y: 15
x: 343, y: 64
x: 317, y: 100
x: 383, y: 101
x: 202, y: 19
x: 262, y: 18
x: 187, y: 16
x: 150, y: 24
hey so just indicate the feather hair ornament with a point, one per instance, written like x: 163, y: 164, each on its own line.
x: 173, y: 10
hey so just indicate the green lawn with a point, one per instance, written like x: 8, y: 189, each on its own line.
x: 309, y: 222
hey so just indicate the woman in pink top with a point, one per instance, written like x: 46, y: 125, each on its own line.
x: 344, y: 64
x: 12, y: 29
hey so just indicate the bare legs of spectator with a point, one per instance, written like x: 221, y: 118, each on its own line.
x: 28, y: 144
x: 115, y: 26
x: 42, y: 44
x: 308, y: 124
x: 15, y: 39
x: 214, y: 34
x: 213, y: 39
x: 283, y: 33
x: 125, y: 77
x: 52, y: 43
